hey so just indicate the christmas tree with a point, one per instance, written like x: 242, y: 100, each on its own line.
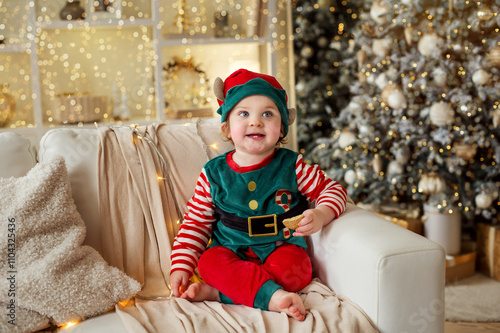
x: 422, y: 123
x: 322, y: 40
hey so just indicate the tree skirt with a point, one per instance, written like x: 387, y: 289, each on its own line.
x: 474, y: 299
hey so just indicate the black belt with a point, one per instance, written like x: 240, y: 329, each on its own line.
x: 266, y: 225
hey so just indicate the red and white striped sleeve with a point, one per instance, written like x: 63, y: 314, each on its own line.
x: 196, y: 229
x: 315, y: 185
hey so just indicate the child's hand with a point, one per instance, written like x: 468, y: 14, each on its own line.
x: 314, y: 220
x: 179, y: 281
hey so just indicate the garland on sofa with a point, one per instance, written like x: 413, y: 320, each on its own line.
x: 166, y: 176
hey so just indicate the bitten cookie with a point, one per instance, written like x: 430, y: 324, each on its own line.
x: 293, y: 222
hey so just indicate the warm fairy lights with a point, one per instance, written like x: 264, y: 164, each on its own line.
x: 69, y: 324
x: 119, y: 51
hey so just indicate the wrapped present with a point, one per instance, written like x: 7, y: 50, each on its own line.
x: 189, y: 113
x: 488, y: 250
x: 407, y: 216
x: 463, y: 265
x: 79, y: 107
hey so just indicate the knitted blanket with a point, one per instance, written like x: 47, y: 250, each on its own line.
x: 139, y: 207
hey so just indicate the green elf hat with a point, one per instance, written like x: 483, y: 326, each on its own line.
x: 243, y: 83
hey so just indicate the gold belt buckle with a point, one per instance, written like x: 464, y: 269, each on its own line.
x: 268, y: 225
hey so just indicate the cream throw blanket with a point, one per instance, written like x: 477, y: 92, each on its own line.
x: 137, y: 219
x: 139, y: 223
x: 327, y: 312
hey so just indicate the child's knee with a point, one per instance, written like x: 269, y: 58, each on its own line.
x: 211, y: 259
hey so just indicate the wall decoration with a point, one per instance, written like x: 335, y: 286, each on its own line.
x: 72, y: 10
x: 193, y: 101
x: 221, y: 20
x: 104, y: 9
x: 70, y: 108
x: 182, y: 18
x: 7, y: 105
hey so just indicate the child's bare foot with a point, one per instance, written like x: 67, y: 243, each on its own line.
x: 289, y: 303
x: 198, y: 292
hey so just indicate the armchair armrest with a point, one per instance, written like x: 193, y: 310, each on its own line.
x: 396, y: 276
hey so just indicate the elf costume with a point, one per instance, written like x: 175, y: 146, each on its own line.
x: 241, y: 209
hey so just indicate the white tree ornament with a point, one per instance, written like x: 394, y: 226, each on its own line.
x: 483, y: 200
x: 382, y: 47
x: 480, y: 77
x: 396, y: 99
x: 429, y: 45
x: 346, y: 139
x: 441, y: 114
x: 350, y: 177
x: 378, y: 11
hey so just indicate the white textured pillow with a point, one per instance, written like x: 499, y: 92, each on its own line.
x: 53, y: 276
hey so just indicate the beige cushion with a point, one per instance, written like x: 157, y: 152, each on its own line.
x: 54, y: 276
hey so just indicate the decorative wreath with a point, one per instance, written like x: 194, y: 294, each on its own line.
x: 173, y: 67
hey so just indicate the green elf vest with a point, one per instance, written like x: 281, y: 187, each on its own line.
x: 271, y: 189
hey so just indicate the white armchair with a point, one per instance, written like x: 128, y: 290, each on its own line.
x: 396, y: 276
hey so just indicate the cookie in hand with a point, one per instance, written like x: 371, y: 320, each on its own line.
x: 293, y: 222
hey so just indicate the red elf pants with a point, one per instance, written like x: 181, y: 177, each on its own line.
x: 251, y: 282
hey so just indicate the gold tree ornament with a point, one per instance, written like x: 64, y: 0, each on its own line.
x: 7, y: 105
x: 361, y: 57
x: 494, y: 56
x: 377, y: 164
x: 495, y: 115
x: 431, y: 183
x: 484, y: 13
x: 409, y: 30
x: 464, y: 150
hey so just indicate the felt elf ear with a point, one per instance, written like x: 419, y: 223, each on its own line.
x: 219, y: 89
x: 292, y: 114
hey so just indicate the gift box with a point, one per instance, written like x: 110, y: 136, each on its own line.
x: 463, y: 265
x: 407, y: 216
x: 488, y: 250
x: 79, y: 107
x: 189, y: 113
x: 412, y: 224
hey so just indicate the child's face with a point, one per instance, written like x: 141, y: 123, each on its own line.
x: 255, y: 125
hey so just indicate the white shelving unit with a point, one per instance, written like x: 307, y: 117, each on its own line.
x: 44, y: 56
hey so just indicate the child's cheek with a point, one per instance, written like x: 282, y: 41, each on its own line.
x: 237, y: 131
